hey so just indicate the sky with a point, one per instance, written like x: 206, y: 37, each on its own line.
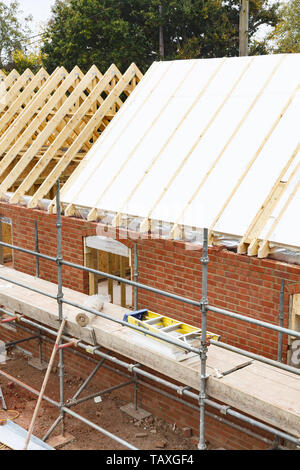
x: 39, y: 9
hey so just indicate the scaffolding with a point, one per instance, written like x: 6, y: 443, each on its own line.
x: 135, y: 372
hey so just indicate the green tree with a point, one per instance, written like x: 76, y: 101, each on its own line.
x: 286, y: 35
x: 12, y: 32
x: 84, y: 32
x: 29, y: 60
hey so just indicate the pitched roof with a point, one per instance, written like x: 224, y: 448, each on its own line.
x: 202, y: 143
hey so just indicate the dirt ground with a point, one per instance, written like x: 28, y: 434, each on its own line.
x: 150, y: 433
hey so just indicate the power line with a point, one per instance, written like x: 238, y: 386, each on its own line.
x: 41, y: 34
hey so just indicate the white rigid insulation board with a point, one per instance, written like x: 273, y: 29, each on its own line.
x: 14, y: 437
x: 200, y: 143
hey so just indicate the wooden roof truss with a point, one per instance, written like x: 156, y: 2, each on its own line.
x: 49, y: 123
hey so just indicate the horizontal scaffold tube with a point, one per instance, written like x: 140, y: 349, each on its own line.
x: 98, y: 428
x: 264, y: 324
x: 103, y: 315
x: 165, y: 383
x: 27, y: 387
x: 147, y: 288
x: 257, y: 357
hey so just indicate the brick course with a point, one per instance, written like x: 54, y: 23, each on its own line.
x: 248, y: 286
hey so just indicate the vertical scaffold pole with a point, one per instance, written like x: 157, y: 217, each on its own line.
x: 281, y: 321
x: 37, y: 260
x: 59, y: 260
x: 136, y: 276
x: 203, y: 344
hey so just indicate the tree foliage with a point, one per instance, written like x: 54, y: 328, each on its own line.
x: 30, y: 60
x: 12, y: 32
x: 100, y: 32
x: 286, y: 35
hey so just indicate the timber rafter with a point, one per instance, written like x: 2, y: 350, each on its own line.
x: 49, y: 123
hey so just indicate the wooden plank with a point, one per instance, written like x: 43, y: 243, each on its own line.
x: 91, y: 261
x: 139, y: 142
x: 132, y: 69
x: 76, y: 120
x: 295, y: 314
x: 44, y: 384
x: 123, y: 286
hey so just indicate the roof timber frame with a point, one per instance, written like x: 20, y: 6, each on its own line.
x: 48, y: 123
x: 10, y: 79
x: 17, y: 106
x: 257, y: 235
x: 16, y: 89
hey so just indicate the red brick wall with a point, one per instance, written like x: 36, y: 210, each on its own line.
x: 249, y: 286
x: 73, y: 232
x: 245, y: 285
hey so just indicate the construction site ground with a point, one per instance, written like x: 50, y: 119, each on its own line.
x: 150, y: 433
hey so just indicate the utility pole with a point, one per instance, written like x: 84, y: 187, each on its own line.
x: 244, y: 23
x: 161, y: 37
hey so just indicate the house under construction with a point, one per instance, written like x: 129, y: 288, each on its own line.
x: 175, y: 193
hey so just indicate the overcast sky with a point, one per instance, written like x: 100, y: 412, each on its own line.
x: 39, y: 9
